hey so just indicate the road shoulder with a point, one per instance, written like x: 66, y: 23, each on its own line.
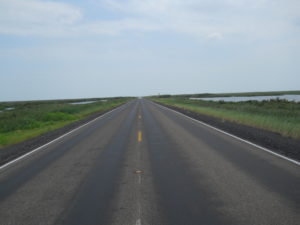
x: 282, y: 145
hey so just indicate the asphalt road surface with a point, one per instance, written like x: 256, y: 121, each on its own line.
x: 143, y: 164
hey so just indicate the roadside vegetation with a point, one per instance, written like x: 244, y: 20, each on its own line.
x: 238, y: 94
x: 20, y: 121
x: 279, y: 116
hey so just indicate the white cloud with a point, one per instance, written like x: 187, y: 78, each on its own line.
x: 45, y: 18
x: 206, y: 18
x: 35, y: 11
x: 37, y: 17
x: 215, y: 36
x: 209, y: 19
x: 116, y: 27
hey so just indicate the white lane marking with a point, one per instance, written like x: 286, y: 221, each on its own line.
x: 138, y: 222
x: 231, y: 135
x: 60, y: 137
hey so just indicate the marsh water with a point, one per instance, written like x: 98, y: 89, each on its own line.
x: 7, y: 109
x: 81, y: 103
x: 295, y: 98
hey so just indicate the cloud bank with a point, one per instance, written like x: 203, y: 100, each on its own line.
x: 206, y: 19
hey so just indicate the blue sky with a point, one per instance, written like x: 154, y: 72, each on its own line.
x: 96, y: 48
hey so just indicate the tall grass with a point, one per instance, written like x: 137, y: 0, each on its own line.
x: 30, y: 119
x: 275, y: 115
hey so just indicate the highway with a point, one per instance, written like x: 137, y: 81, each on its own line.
x: 143, y: 164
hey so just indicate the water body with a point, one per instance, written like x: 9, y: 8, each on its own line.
x: 7, y: 109
x: 295, y: 98
x: 81, y: 103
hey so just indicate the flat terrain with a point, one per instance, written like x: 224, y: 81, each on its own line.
x: 278, y: 116
x: 237, y: 94
x: 21, y: 121
x: 145, y: 164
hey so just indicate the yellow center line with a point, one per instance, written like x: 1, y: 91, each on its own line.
x: 140, y: 136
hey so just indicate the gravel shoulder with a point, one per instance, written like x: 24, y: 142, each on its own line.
x: 283, y: 145
x: 14, y: 151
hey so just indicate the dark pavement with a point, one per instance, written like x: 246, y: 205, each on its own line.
x: 145, y: 164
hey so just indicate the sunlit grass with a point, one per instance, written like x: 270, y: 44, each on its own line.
x: 17, y: 136
x: 31, y: 119
x: 277, y: 115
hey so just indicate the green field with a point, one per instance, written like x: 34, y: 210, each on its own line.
x: 279, y: 116
x: 20, y: 121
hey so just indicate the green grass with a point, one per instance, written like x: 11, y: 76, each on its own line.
x: 31, y: 119
x: 279, y: 116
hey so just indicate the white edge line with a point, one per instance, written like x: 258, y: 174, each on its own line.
x: 231, y: 135
x: 56, y: 139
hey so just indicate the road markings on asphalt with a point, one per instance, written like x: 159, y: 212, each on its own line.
x: 140, y: 136
x: 231, y: 135
x: 43, y: 146
x: 138, y: 222
x: 139, y: 172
